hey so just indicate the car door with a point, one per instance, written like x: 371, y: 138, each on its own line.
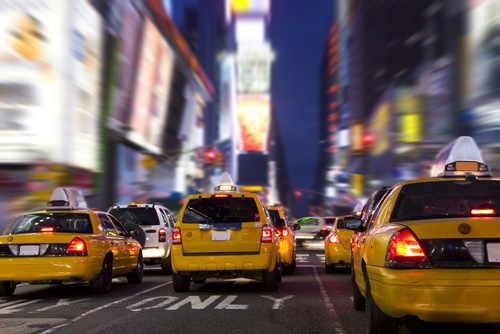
x: 115, y: 242
x: 130, y: 247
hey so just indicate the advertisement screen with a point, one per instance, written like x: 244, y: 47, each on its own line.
x: 151, y: 94
x: 253, y: 117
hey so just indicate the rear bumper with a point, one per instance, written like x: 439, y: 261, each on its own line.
x: 68, y: 268
x: 438, y: 295
x: 265, y: 260
x: 160, y: 252
x: 336, y: 253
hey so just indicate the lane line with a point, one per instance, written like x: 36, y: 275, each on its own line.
x: 72, y: 321
x: 336, y: 323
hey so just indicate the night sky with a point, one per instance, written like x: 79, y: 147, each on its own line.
x: 299, y: 32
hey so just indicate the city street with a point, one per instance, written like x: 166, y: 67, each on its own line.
x: 310, y: 301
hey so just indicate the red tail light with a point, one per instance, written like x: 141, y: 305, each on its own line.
x: 404, y: 247
x: 282, y: 231
x: 483, y: 211
x: 162, y: 235
x: 77, y: 247
x: 47, y: 229
x: 334, y: 239
x: 176, y: 236
x: 267, y: 234
x: 285, y: 232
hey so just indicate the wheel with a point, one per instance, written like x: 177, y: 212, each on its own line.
x: 358, y: 299
x: 180, y: 282
x: 271, y: 280
x: 330, y: 268
x: 102, y: 284
x: 166, y: 265
x: 7, y: 288
x: 138, y: 274
x: 378, y: 321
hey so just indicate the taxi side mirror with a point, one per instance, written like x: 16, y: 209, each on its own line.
x: 354, y: 224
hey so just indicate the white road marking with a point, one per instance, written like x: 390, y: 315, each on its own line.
x: 278, y: 303
x: 11, y: 307
x: 60, y: 302
x: 226, y: 304
x: 168, y: 300
x: 195, y: 301
x: 335, y: 318
x: 72, y: 321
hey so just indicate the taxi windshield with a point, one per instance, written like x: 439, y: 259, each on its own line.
x: 52, y: 222
x: 447, y: 199
x: 220, y: 210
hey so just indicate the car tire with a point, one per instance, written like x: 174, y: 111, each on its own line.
x: 330, y: 268
x: 358, y: 300
x: 378, y: 321
x: 166, y: 265
x: 7, y: 288
x: 138, y: 274
x: 102, y: 284
x: 270, y: 280
x: 180, y: 282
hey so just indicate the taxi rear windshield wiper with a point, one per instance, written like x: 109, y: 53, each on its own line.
x: 198, y: 213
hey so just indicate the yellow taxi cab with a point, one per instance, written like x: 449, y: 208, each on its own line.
x: 68, y: 243
x: 432, y: 247
x: 225, y: 234
x: 338, y: 246
x: 286, y: 233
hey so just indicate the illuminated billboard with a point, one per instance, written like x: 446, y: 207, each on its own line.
x: 254, y: 68
x: 253, y: 118
x: 150, y: 102
x: 49, y: 82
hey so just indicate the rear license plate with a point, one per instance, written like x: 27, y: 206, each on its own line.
x: 493, y: 252
x: 29, y: 250
x: 221, y: 235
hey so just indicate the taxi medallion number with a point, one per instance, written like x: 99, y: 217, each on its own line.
x: 221, y: 235
x: 493, y: 252
x: 29, y: 250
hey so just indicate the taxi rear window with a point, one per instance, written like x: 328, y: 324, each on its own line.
x: 221, y: 210
x: 447, y: 199
x: 141, y: 216
x: 275, y: 216
x: 52, y: 222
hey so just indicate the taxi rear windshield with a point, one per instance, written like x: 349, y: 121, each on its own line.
x: 221, y: 210
x: 141, y: 216
x: 52, y: 222
x: 275, y: 216
x: 447, y: 199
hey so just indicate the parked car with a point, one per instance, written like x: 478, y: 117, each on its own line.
x: 431, y: 249
x: 68, y: 243
x: 157, y: 223
x: 286, y: 233
x: 225, y: 234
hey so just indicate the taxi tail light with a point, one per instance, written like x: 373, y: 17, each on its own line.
x: 282, y: 231
x: 405, y: 249
x: 77, y: 247
x: 176, y: 236
x: 267, y: 234
x: 162, y: 235
x: 334, y: 239
x: 483, y: 211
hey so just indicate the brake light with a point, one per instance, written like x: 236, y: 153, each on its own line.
x: 221, y: 196
x: 47, y: 229
x: 77, y: 247
x: 285, y: 232
x: 176, y: 236
x: 267, y: 234
x: 482, y: 211
x: 404, y: 247
x: 162, y: 235
x: 334, y: 239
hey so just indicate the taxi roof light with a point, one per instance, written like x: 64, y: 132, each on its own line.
x: 67, y: 199
x: 461, y: 157
x: 226, y: 184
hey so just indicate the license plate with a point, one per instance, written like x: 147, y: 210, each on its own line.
x: 493, y: 252
x: 221, y: 235
x: 29, y: 250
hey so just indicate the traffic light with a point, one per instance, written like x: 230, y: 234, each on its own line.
x: 210, y: 156
x: 219, y: 161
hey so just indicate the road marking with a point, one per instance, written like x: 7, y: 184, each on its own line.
x: 335, y: 318
x: 195, y: 301
x: 8, y: 307
x: 60, y: 302
x: 168, y: 300
x: 72, y: 321
x: 226, y: 304
x: 278, y: 303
